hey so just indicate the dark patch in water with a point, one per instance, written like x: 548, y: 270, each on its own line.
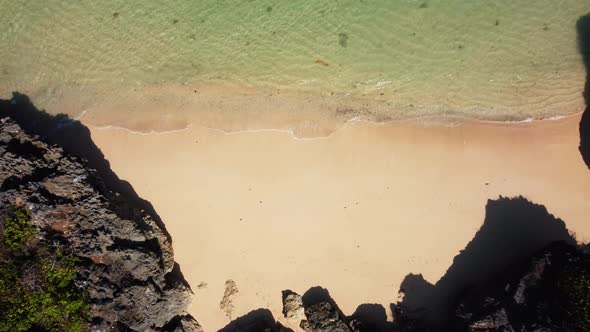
x: 116, y: 15
x: 269, y: 9
x: 583, y: 28
x: 343, y: 39
x: 423, y: 5
x: 460, y: 47
x: 497, y: 23
x: 322, y: 62
x: 174, y: 21
x: 545, y: 27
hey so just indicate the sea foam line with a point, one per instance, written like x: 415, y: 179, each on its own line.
x: 138, y: 132
x: 460, y: 120
x: 291, y: 132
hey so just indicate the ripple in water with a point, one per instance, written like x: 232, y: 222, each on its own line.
x: 486, y: 59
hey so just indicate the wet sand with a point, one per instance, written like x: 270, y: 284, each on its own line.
x: 354, y: 211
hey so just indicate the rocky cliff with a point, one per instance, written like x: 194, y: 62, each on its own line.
x: 548, y: 292
x: 126, y: 261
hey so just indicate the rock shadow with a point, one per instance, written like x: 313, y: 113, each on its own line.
x: 583, y: 29
x: 371, y: 317
x: 513, y: 229
x: 323, y: 314
x: 255, y: 321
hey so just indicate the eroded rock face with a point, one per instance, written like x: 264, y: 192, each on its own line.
x: 127, y: 263
x: 324, y: 317
x: 322, y: 313
x: 292, y: 305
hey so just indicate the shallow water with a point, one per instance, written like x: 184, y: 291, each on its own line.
x: 483, y: 58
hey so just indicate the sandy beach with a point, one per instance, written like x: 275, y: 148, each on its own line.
x: 354, y: 211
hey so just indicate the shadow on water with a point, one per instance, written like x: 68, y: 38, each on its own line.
x: 513, y: 229
x: 76, y: 140
x: 583, y: 28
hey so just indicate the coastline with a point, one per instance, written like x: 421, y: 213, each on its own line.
x: 241, y: 106
x: 295, y: 166
x: 421, y: 189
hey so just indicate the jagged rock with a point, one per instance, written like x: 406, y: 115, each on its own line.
x: 370, y: 317
x: 292, y: 305
x: 547, y: 292
x: 183, y: 324
x: 127, y: 264
x: 321, y: 312
x: 324, y: 317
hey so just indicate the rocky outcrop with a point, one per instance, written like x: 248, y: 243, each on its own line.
x: 292, y: 305
x: 127, y: 264
x: 322, y: 313
x: 547, y: 292
x: 324, y: 316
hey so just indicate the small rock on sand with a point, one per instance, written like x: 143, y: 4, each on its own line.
x: 292, y: 305
x: 226, y: 304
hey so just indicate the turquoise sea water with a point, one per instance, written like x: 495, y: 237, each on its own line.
x: 476, y: 56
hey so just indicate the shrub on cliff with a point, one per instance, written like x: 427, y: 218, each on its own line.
x: 17, y: 230
x: 37, y: 289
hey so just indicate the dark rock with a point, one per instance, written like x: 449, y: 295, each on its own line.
x: 127, y: 264
x: 260, y: 320
x: 292, y: 305
x: 183, y: 324
x: 513, y: 230
x: 583, y: 29
x: 532, y: 295
x: 370, y: 318
x: 321, y: 312
x: 324, y: 317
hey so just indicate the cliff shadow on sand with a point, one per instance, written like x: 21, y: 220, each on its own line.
x: 513, y: 230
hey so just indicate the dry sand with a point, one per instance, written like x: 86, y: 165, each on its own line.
x: 354, y: 212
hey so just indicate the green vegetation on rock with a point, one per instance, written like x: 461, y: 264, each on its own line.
x: 17, y: 229
x: 37, y: 288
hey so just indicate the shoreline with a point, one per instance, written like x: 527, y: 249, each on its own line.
x: 445, y: 121
x: 232, y: 107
